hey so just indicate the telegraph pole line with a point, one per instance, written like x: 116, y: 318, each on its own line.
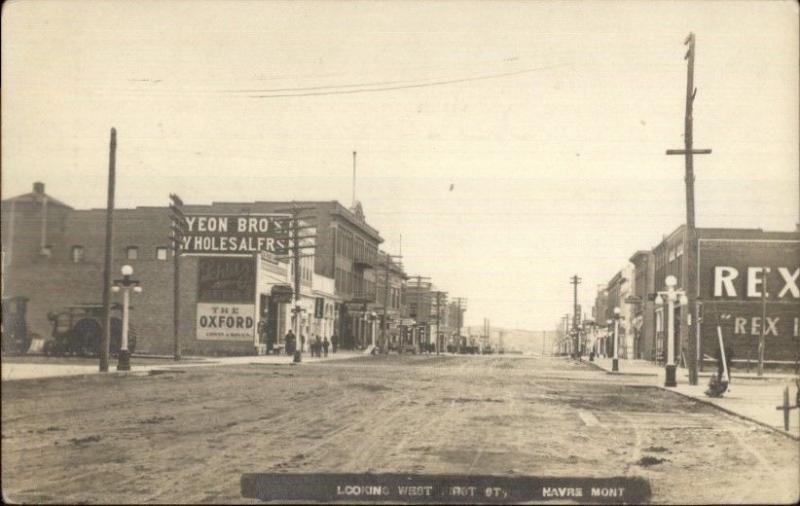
x: 106, y: 342
x: 690, y: 271
x: 417, y: 301
x: 385, y: 322
x: 178, y: 230
x: 293, y: 251
x: 575, y: 281
x: 439, y: 337
x: 460, y: 301
x: 761, y: 338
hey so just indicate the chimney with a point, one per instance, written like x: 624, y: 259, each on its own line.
x: 38, y: 188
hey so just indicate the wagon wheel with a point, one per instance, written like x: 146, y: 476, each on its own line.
x: 85, y: 337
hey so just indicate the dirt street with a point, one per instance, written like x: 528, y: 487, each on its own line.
x: 188, y: 436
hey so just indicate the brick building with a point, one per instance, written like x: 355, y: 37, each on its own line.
x: 53, y: 254
x: 643, y: 307
x: 733, y: 267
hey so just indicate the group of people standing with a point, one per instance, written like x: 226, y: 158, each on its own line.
x: 318, y: 347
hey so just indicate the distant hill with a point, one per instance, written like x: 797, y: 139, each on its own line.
x: 536, y: 342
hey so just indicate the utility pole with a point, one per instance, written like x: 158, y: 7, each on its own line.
x: 690, y: 269
x: 762, y: 342
x: 439, y: 337
x: 575, y: 281
x: 178, y: 231
x: 417, y: 301
x: 293, y: 251
x: 385, y: 322
x: 105, y: 344
x: 460, y: 301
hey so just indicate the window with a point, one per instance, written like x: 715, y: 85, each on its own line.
x: 679, y: 249
x: 77, y: 254
x: 132, y: 252
x: 161, y: 253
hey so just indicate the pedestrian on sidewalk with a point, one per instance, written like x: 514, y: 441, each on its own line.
x: 325, y: 345
x: 318, y: 346
x: 303, y: 342
x: 334, y: 342
x: 291, y: 342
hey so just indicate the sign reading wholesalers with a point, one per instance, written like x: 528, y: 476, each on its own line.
x: 226, y: 322
x: 215, y: 234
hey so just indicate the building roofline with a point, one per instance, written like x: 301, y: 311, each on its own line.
x: 33, y: 197
x: 640, y: 253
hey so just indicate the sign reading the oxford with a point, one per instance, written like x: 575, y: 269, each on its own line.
x: 210, y: 234
x: 226, y: 322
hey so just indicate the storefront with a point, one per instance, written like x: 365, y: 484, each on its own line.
x: 242, y: 304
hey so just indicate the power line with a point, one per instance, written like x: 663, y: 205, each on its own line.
x: 408, y: 86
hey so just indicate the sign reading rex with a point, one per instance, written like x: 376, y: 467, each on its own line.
x: 725, y: 282
x: 206, y: 233
x: 732, y: 270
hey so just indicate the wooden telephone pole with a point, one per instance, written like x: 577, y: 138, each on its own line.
x: 462, y: 306
x: 575, y: 281
x: 689, y: 321
x: 178, y: 231
x: 106, y: 339
x: 439, y: 337
x: 292, y: 251
x: 385, y: 323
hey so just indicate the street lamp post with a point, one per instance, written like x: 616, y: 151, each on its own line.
x: 126, y: 284
x: 615, y: 360
x: 671, y: 295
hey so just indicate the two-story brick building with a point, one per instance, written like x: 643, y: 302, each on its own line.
x: 733, y: 267
x: 53, y: 254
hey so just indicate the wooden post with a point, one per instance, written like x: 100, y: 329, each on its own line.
x: 106, y: 340
x: 689, y: 280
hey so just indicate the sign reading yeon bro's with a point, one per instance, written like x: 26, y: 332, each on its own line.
x: 233, y: 233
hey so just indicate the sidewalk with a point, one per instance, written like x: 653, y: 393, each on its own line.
x: 749, y: 396
x: 20, y: 371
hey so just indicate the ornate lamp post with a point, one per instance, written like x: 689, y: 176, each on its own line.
x: 126, y: 284
x: 671, y: 295
x: 615, y: 360
x: 372, y: 317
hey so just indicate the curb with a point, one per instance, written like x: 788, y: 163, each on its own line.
x: 617, y: 373
x: 647, y: 374
x: 730, y: 412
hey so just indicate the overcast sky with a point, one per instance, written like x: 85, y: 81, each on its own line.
x: 549, y: 121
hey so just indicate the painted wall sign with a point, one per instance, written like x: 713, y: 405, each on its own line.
x: 225, y: 279
x: 741, y: 270
x: 747, y: 287
x: 208, y: 234
x: 225, y: 322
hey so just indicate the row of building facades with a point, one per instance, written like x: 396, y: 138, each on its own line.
x: 53, y: 256
x: 748, y: 281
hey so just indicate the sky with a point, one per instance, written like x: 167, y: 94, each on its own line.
x: 509, y: 144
